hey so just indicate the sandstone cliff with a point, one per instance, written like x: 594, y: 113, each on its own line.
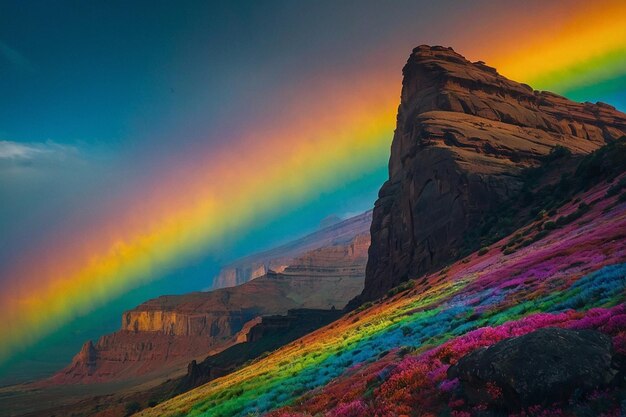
x: 463, y: 135
x: 339, y: 246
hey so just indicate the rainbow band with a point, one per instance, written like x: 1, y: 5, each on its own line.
x: 218, y: 210
x: 299, y: 160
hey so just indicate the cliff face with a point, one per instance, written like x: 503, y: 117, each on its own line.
x: 463, y: 135
x: 294, y: 319
x: 266, y: 335
x: 338, y: 248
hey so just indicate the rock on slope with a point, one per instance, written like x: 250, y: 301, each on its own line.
x: 549, y: 364
x: 463, y: 135
x: 339, y: 248
x: 323, y: 270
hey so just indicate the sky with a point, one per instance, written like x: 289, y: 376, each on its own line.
x: 144, y: 144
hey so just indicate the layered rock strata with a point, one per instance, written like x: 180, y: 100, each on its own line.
x: 464, y: 134
x: 338, y: 249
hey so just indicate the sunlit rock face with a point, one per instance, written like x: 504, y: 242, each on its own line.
x: 463, y: 135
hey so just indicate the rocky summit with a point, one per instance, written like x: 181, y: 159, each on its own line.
x: 464, y: 135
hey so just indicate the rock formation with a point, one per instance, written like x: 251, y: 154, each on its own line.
x: 464, y: 133
x: 322, y: 250
x: 542, y: 367
x: 171, y: 330
x: 297, y: 318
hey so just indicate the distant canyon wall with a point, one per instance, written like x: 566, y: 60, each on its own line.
x: 349, y: 237
x: 320, y: 271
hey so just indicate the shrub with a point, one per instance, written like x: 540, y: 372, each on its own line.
x: 540, y: 235
x: 549, y: 225
x: 364, y: 306
x: 392, y: 292
x: 132, y: 408
x: 483, y: 251
x: 406, y: 331
x: 557, y: 152
x: 402, y: 287
x: 582, y: 209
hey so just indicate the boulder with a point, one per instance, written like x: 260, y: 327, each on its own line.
x: 546, y: 366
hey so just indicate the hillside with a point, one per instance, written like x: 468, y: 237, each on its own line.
x: 391, y: 357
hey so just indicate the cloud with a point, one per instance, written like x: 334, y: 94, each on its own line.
x: 15, y: 58
x: 21, y: 160
x: 16, y: 151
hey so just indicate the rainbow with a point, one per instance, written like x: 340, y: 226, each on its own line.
x: 300, y: 159
x: 584, y: 55
x: 329, y: 135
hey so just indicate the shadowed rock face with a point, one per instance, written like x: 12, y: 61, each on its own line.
x: 464, y: 133
x: 267, y: 335
x: 542, y: 367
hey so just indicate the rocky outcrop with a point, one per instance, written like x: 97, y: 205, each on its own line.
x: 270, y: 325
x: 546, y: 366
x: 122, y: 355
x: 464, y: 133
x: 243, y: 334
x: 340, y: 247
x: 338, y: 260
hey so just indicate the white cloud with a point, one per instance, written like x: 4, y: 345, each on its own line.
x: 18, y: 151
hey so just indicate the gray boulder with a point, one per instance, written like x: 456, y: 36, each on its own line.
x: 542, y: 367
